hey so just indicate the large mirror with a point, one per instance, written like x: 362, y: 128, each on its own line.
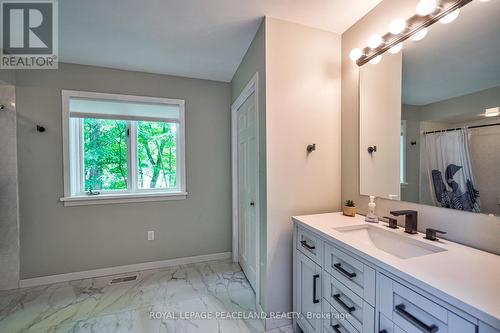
x: 429, y: 117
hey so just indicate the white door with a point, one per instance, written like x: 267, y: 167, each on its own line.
x: 247, y: 178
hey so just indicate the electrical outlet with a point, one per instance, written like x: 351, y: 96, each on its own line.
x: 151, y: 235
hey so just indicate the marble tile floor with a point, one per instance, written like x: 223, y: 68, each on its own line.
x: 96, y: 306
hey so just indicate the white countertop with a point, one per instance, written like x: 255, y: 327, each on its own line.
x: 463, y: 276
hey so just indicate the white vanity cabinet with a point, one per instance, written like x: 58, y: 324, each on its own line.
x: 308, y: 279
x: 328, y: 284
x: 350, y: 272
x: 338, y: 291
x: 308, y: 296
x: 414, y: 313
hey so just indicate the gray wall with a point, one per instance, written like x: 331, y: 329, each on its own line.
x: 467, y: 105
x: 253, y: 62
x: 57, y: 239
x: 472, y: 229
x: 282, y: 110
x: 9, y: 222
x: 303, y: 107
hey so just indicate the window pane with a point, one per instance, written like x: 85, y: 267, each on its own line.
x: 156, y: 151
x: 105, y: 154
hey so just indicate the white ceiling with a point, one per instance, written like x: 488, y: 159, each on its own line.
x: 194, y: 38
x: 454, y: 59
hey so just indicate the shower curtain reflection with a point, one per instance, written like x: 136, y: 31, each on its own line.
x: 449, y: 171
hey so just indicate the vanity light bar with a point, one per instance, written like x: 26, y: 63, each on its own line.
x: 414, y: 24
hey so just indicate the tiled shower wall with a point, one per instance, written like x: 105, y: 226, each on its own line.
x: 9, y: 221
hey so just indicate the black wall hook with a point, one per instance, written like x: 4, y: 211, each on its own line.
x: 40, y: 129
x: 372, y: 150
x: 311, y: 148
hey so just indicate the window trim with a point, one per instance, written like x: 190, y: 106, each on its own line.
x: 70, y: 199
x: 403, y: 152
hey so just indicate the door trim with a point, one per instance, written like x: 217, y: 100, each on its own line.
x: 251, y: 87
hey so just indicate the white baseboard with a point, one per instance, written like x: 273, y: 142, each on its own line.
x: 272, y: 323
x: 42, y: 280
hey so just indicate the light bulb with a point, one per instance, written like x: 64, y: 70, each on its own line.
x: 397, y: 26
x: 376, y: 60
x: 450, y: 17
x: 419, y: 35
x: 426, y: 7
x: 493, y: 112
x: 374, y: 41
x: 396, y: 48
x: 355, y: 54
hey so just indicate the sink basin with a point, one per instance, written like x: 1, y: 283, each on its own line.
x: 390, y: 242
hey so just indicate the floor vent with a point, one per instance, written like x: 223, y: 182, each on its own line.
x: 124, y: 279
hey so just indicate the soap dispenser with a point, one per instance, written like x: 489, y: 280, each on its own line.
x: 371, y: 217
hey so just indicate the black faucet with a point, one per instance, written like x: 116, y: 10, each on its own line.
x: 393, y: 223
x: 430, y: 234
x: 411, y: 218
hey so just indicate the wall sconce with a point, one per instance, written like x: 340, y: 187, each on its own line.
x: 428, y: 12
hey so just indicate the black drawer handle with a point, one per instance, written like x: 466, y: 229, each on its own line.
x: 345, y: 306
x: 343, y: 271
x: 400, y: 309
x: 383, y: 331
x: 315, y: 279
x: 304, y: 244
x: 336, y: 328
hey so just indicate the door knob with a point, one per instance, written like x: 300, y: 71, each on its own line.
x: 252, y: 204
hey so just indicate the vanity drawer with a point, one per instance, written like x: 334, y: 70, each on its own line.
x: 310, y: 244
x: 387, y: 326
x: 351, y: 272
x: 415, y: 313
x: 335, y: 321
x: 345, y: 301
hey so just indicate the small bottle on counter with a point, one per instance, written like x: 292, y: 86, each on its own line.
x: 371, y: 217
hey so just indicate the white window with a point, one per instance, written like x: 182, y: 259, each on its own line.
x: 402, y: 162
x: 120, y: 148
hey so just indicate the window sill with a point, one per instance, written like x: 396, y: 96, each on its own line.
x: 104, y: 199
